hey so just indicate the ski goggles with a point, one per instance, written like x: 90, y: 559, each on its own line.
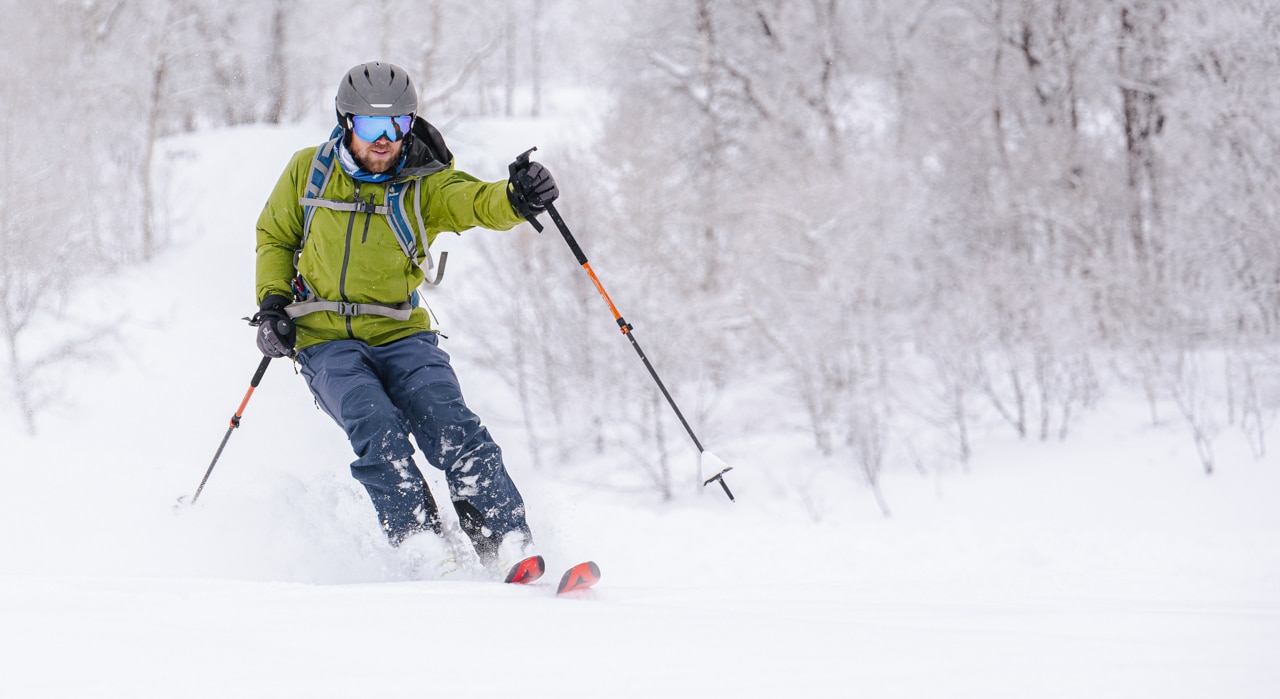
x: 371, y: 128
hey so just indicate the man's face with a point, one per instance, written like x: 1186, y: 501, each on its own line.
x: 376, y: 157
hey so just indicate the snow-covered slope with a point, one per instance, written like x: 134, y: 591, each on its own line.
x: 1103, y: 566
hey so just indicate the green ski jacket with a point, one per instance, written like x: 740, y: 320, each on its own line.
x: 354, y: 257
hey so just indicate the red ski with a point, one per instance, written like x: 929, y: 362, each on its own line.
x: 527, y: 571
x: 579, y: 577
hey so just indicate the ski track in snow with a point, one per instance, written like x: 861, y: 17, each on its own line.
x: 1102, y: 566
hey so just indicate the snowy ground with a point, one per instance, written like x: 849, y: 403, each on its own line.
x: 1104, y: 566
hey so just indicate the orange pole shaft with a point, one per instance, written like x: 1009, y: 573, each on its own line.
x: 235, y: 419
x: 600, y: 288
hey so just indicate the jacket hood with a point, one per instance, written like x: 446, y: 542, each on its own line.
x: 428, y: 153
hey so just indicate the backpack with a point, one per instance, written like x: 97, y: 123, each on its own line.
x: 306, y: 301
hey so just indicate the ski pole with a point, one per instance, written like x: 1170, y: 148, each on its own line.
x: 523, y: 161
x: 235, y: 422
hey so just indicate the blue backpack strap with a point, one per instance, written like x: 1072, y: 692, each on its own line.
x: 321, y: 171
x: 398, y: 215
x: 399, y: 219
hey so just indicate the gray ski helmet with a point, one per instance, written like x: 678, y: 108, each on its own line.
x: 376, y: 89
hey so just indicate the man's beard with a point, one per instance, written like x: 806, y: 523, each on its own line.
x: 373, y: 164
x: 382, y: 166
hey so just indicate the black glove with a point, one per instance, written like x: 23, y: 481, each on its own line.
x: 276, y: 334
x: 532, y: 188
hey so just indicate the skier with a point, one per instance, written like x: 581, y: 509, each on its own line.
x: 340, y: 256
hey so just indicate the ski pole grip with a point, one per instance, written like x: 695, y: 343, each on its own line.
x: 568, y: 237
x: 262, y: 369
x: 522, y: 160
x: 517, y: 166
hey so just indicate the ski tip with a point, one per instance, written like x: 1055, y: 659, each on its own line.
x: 579, y: 577
x: 526, y: 571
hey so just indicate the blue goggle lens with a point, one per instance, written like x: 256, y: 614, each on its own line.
x: 371, y: 128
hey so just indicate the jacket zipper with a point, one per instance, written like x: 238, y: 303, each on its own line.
x: 364, y: 237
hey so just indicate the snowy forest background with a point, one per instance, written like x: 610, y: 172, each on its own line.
x: 914, y: 221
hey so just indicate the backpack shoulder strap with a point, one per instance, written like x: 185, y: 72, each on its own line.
x: 317, y: 181
x: 401, y: 218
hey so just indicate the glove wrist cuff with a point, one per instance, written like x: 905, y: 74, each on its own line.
x: 274, y: 301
